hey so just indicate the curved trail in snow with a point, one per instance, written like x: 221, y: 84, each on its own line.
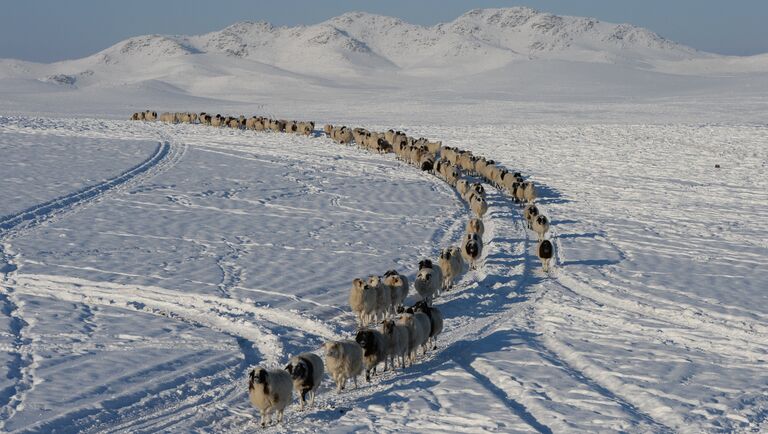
x: 164, y: 156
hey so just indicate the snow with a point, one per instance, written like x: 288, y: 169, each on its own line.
x: 146, y: 267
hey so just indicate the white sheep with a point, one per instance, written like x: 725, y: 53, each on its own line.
x: 363, y: 301
x: 529, y: 191
x: 383, y: 297
x: 429, y: 280
x: 417, y: 333
x: 397, y: 336
x: 462, y: 187
x: 344, y: 360
x: 270, y: 391
x: 374, y: 347
x: 398, y: 288
x: 306, y: 371
x: 451, y: 265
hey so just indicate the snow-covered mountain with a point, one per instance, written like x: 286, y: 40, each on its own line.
x: 510, y: 54
x: 359, y: 43
x: 480, y: 39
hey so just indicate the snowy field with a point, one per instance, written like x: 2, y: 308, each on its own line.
x: 147, y: 267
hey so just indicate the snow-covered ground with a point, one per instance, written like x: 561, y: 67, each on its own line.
x: 150, y: 265
x: 145, y: 267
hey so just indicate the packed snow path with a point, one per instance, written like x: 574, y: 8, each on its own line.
x: 149, y: 280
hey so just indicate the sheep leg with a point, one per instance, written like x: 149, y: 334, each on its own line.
x: 312, y: 398
x: 280, y: 416
x: 355, y: 380
x: 263, y: 418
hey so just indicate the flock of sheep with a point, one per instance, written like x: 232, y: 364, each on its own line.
x: 380, y: 299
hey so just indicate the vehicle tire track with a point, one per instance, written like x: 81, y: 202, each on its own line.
x: 165, y: 156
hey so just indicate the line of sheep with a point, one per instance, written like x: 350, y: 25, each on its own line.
x: 380, y: 299
x: 255, y: 123
x: 450, y: 164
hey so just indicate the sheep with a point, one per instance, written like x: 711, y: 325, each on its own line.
x: 418, y: 332
x: 427, y: 162
x: 270, y: 391
x: 306, y: 128
x: 545, y: 250
x: 529, y: 191
x: 343, y: 135
x: 476, y: 226
x: 462, y: 187
x: 250, y: 123
x: 150, y: 116
x: 383, y: 297
x: 306, y: 371
x: 374, y: 347
x: 137, y: 116
x: 168, y: 118
x: 435, y: 320
x: 434, y: 147
x: 530, y: 212
x: 540, y: 225
x: 472, y: 249
x: 397, y: 336
x: 398, y: 288
x: 327, y: 128
x: 429, y: 280
x: 451, y: 265
x: 478, y: 205
x: 362, y: 300
x: 344, y: 360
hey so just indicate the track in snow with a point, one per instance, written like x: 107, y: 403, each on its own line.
x: 165, y: 155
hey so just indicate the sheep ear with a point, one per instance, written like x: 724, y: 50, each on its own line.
x: 289, y: 368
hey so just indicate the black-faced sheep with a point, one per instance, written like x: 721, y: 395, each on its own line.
x: 530, y: 212
x: 478, y: 205
x: 545, y: 250
x: 306, y: 371
x: 270, y: 391
x: 540, y: 225
x: 472, y: 249
x: 374, y: 347
x: 344, y: 360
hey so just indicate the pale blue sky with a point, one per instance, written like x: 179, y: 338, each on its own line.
x: 51, y: 30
